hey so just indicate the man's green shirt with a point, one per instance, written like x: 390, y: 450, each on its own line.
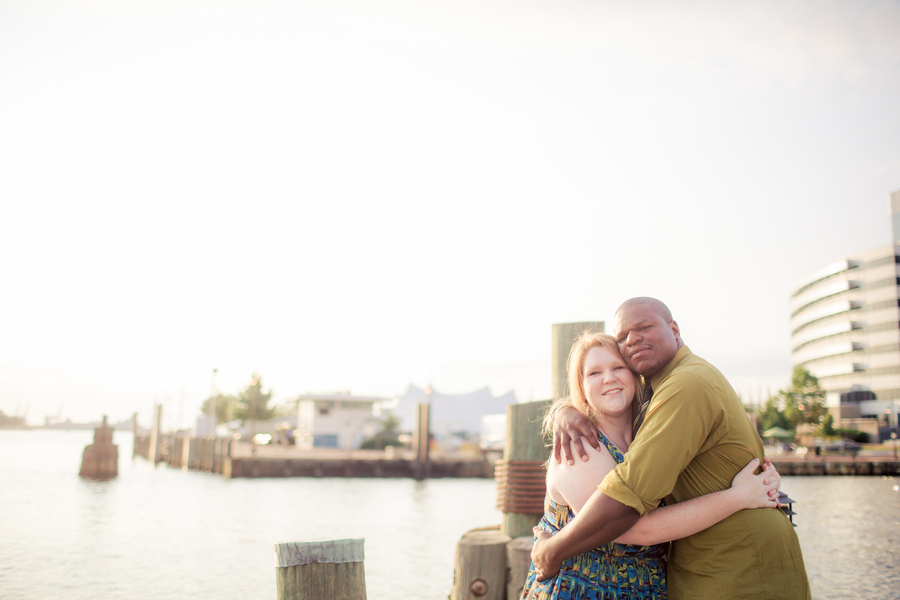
x: 694, y: 440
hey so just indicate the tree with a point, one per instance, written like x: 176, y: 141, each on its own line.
x: 827, y: 429
x: 285, y: 410
x: 771, y: 415
x: 253, y: 403
x: 223, y: 403
x: 388, y: 436
x: 804, y: 401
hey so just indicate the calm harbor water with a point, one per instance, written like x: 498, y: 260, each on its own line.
x: 164, y: 533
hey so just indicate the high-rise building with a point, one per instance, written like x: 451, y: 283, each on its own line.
x: 845, y: 330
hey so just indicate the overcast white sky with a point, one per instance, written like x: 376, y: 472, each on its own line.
x: 362, y: 194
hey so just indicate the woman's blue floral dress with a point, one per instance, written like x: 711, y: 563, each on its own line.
x: 611, y: 572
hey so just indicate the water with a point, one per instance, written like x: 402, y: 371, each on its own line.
x: 165, y: 533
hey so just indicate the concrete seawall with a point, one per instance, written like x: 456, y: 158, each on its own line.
x: 836, y: 465
x: 233, y: 459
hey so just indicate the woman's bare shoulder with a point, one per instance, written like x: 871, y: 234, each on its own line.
x: 573, y: 484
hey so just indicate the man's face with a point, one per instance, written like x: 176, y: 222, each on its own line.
x: 647, y: 342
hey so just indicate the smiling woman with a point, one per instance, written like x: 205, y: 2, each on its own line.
x: 608, y: 383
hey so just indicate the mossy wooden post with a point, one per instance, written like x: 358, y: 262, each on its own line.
x: 320, y: 570
x: 421, y: 440
x: 562, y: 335
x: 153, y: 452
x: 480, y: 566
x: 524, y: 444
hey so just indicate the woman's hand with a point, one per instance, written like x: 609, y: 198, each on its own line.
x: 569, y: 427
x: 756, y: 491
x: 772, y: 472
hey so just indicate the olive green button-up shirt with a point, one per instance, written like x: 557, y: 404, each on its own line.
x: 694, y: 440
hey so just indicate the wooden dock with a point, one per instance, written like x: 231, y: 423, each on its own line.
x: 235, y: 459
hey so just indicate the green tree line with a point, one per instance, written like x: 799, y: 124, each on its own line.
x: 802, y: 402
x: 252, y: 403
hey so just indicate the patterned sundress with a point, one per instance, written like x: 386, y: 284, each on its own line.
x: 610, y: 572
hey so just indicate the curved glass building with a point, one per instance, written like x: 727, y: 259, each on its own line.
x: 845, y: 330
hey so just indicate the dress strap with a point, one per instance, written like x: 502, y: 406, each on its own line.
x: 616, y: 454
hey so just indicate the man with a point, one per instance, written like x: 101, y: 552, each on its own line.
x: 694, y: 440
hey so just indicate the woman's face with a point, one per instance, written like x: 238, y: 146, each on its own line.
x: 608, y: 383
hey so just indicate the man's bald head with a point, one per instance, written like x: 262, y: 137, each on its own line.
x: 647, y: 335
x: 658, y: 307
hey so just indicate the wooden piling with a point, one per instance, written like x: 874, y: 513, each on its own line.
x: 210, y: 454
x: 153, y: 452
x: 320, y: 570
x: 101, y: 459
x: 562, y: 335
x: 421, y: 441
x: 186, y: 453
x: 521, y: 491
x: 134, y: 434
x: 480, y: 566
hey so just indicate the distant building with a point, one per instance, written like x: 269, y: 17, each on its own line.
x: 845, y: 330
x: 335, y: 420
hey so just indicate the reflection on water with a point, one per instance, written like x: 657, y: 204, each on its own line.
x: 164, y: 533
x: 849, y: 530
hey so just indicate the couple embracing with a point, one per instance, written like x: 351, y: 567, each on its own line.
x: 682, y: 439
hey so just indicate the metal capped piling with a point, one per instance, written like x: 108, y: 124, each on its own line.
x: 320, y: 569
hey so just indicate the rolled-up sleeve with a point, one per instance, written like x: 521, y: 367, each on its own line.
x: 682, y: 419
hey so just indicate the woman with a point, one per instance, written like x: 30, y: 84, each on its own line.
x: 605, y: 390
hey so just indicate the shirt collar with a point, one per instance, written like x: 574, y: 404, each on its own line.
x: 657, y: 379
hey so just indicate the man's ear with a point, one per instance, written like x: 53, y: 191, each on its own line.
x: 675, y: 329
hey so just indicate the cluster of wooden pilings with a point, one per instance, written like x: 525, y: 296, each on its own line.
x: 185, y: 452
x: 491, y: 563
x: 233, y: 460
x: 180, y: 450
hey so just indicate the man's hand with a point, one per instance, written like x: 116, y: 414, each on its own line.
x: 773, y: 474
x: 569, y: 427
x: 545, y: 565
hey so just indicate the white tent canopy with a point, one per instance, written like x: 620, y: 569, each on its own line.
x: 452, y: 413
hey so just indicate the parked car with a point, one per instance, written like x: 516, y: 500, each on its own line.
x: 849, y: 446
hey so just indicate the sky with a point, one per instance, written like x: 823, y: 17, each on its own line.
x: 361, y: 195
